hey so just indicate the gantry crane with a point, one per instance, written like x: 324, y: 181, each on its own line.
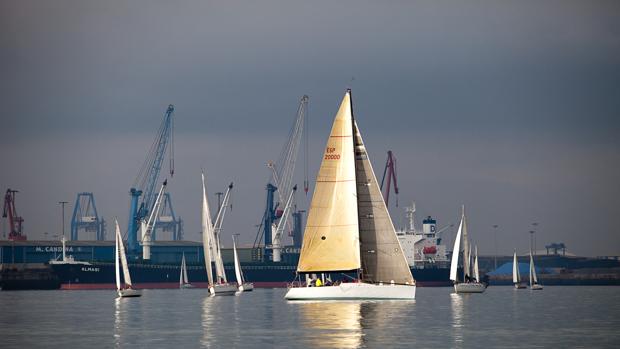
x: 143, y: 190
x: 85, y: 217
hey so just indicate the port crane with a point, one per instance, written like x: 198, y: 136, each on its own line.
x: 85, y: 218
x: 390, y: 170
x: 16, y: 223
x: 280, y: 182
x: 142, y: 192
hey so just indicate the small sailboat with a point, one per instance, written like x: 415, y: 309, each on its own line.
x: 219, y: 285
x: 119, y: 251
x: 349, y: 228
x: 183, y: 281
x: 471, y: 283
x: 242, y: 284
x: 534, y: 285
x: 516, y: 275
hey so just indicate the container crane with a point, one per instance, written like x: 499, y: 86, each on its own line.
x: 16, y: 223
x: 390, y: 170
x: 281, y: 179
x: 85, y: 217
x: 142, y: 192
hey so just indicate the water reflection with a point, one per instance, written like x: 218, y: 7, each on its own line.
x: 119, y: 321
x: 331, y: 324
x: 208, y: 322
x: 456, y: 304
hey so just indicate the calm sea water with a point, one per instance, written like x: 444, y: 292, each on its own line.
x: 501, y: 317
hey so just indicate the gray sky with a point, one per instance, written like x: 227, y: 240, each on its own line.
x: 509, y: 107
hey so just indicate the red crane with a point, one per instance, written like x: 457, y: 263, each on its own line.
x: 15, y: 221
x: 390, y: 170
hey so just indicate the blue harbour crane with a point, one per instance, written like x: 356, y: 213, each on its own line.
x: 85, y: 218
x: 168, y: 222
x: 280, y: 186
x: 143, y: 192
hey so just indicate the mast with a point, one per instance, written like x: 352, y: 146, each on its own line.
x: 466, y: 250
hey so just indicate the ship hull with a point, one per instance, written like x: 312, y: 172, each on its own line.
x: 262, y: 275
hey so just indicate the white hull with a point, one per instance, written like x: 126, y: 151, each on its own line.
x: 129, y: 292
x: 520, y: 286
x: 469, y: 287
x: 222, y: 289
x: 246, y: 287
x: 352, y: 291
x: 188, y: 285
x: 536, y: 287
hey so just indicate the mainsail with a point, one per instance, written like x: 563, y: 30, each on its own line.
x: 331, y: 240
x: 183, y: 277
x: 238, y: 273
x: 123, y: 256
x: 516, y: 278
x: 466, y: 248
x: 116, y: 265
x: 455, y: 253
x: 207, y: 231
x: 381, y: 255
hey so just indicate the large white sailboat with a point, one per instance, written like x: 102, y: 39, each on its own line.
x: 534, y: 285
x: 119, y: 251
x: 183, y: 280
x: 218, y: 284
x: 349, y: 228
x: 471, y: 277
x: 516, y: 274
x: 242, y: 285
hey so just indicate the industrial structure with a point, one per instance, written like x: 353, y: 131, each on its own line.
x: 143, y: 190
x: 390, y: 171
x: 275, y: 217
x: 16, y: 222
x: 168, y: 222
x: 85, y: 218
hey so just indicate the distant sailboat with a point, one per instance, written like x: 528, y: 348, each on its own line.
x: 242, y: 284
x: 349, y: 227
x: 471, y: 283
x: 533, y: 279
x: 516, y: 274
x: 119, y: 251
x: 183, y: 280
x: 219, y: 286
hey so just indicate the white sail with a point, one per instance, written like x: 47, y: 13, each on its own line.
x: 516, y: 278
x: 183, y: 276
x: 476, y: 272
x: 455, y: 253
x: 116, y: 264
x: 533, y: 277
x: 217, y: 230
x: 238, y: 272
x: 123, y: 257
x: 207, y: 228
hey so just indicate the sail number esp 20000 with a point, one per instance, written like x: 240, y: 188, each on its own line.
x: 329, y: 154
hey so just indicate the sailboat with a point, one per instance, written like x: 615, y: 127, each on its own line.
x: 349, y: 228
x: 516, y: 275
x: 534, y: 285
x: 217, y: 286
x: 183, y: 281
x: 242, y: 284
x: 119, y: 251
x: 471, y: 283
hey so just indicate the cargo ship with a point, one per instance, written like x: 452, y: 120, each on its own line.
x: 90, y: 264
